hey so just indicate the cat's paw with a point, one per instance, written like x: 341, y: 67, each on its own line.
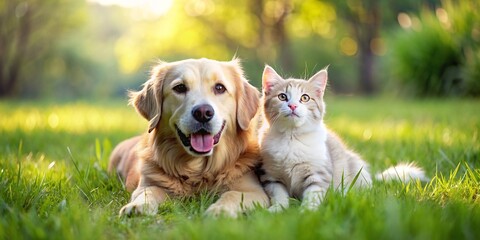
x: 276, y: 208
x: 136, y: 208
x: 311, y: 201
x: 309, y: 206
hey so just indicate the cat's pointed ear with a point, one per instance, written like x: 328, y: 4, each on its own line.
x: 269, y: 79
x: 320, y: 81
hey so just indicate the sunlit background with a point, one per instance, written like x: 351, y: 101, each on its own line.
x: 398, y: 69
x: 101, y: 48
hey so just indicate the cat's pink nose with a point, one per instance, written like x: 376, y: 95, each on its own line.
x: 292, y: 106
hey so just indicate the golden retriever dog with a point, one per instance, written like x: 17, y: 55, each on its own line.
x: 199, y: 139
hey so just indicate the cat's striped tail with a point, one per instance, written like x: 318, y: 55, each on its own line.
x: 404, y: 172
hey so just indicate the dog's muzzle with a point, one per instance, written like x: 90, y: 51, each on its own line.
x: 201, y: 140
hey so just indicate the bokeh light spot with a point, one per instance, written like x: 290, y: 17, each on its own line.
x: 367, y: 134
x: 404, y: 20
x: 53, y: 120
x: 348, y: 46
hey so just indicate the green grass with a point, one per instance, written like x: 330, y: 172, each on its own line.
x: 54, y: 184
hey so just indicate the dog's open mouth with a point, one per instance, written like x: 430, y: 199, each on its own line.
x: 200, y: 142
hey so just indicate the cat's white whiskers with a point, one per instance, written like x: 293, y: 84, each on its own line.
x: 274, y: 120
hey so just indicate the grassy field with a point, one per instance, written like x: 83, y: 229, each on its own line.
x: 54, y: 184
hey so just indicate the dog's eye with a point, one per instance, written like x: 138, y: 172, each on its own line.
x: 282, y: 97
x: 305, y: 98
x: 180, y: 88
x: 219, y: 88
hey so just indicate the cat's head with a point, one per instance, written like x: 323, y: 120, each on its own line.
x: 292, y: 103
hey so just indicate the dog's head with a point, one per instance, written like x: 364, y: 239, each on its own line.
x: 197, y: 100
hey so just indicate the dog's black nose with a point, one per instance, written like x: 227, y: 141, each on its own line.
x: 203, y: 113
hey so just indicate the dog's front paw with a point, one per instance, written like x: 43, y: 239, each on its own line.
x: 135, y: 208
x: 218, y: 209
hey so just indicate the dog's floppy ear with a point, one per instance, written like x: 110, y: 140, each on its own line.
x: 148, y: 101
x: 248, y: 97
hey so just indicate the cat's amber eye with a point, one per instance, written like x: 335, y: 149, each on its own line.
x: 305, y: 98
x: 282, y: 97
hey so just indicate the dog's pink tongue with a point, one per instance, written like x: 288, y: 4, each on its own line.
x: 201, y: 142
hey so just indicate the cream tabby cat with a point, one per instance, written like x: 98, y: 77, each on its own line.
x: 301, y: 157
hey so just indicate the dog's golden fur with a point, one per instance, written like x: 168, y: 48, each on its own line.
x: 156, y: 165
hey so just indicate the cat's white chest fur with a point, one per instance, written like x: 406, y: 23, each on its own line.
x: 283, y: 150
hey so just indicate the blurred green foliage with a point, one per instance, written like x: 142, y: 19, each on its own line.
x: 438, y: 54
x: 30, y: 37
x: 68, y: 49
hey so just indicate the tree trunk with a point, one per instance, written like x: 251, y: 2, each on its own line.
x: 366, y: 69
x: 7, y: 87
x: 257, y: 8
x: 365, y: 30
x: 280, y: 35
x: 10, y: 70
